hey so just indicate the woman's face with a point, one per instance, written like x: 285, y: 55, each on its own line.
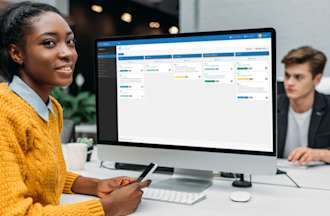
x: 49, y: 55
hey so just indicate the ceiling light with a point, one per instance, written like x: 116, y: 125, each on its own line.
x: 126, y: 17
x: 154, y: 25
x: 97, y: 8
x: 173, y: 30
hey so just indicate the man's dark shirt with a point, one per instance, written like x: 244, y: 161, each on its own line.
x: 319, y: 127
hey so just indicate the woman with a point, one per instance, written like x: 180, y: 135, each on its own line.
x: 38, y: 53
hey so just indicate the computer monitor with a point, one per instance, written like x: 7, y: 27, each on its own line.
x: 196, y: 101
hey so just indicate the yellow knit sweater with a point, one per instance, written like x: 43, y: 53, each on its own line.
x: 32, y: 169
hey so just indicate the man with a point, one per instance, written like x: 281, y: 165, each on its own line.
x: 303, y: 113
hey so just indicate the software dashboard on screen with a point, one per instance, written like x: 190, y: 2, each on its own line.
x: 211, y: 91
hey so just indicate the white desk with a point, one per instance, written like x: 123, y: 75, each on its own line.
x: 270, y: 195
x: 308, y: 178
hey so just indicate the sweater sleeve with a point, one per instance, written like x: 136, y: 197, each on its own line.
x: 69, y: 180
x: 17, y: 199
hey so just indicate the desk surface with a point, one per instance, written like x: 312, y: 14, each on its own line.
x: 271, y: 195
x: 308, y: 178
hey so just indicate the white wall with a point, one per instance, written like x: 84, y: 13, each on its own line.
x: 297, y: 22
x: 188, y: 19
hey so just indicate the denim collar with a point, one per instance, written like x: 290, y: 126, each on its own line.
x: 31, y: 97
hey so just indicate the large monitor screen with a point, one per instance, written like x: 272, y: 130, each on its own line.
x: 210, y: 91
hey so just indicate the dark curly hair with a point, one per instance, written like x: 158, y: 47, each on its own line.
x: 15, y: 22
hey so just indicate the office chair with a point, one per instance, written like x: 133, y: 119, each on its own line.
x: 324, y: 85
x: 280, y: 87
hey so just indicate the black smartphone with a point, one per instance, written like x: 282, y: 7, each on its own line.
x: 147, y: 172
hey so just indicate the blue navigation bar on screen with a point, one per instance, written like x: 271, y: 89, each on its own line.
x: 184, y: 39
x: 106, y: 55
x: 262, y: 53
x: 218, y: 54
x: 131, y: 57
x: 158, y: 56
x: 192, y: 55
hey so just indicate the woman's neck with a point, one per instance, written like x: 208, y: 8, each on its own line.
x: 42, y: 90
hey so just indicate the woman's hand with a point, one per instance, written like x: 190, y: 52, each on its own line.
x: 99, y: 187
x: 106, y: 186
x: 124, y: 200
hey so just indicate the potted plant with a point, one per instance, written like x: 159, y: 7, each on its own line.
x: 80, y: 108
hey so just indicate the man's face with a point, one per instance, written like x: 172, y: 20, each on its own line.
x: 299, y: 82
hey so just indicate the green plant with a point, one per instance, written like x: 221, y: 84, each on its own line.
x: 88, y: 141
x: 79, y: 108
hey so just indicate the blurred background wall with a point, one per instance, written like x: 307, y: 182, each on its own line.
x: 297, y: 22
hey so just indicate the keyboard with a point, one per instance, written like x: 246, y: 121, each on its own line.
x: 283, y: 163
x: 172, y: 196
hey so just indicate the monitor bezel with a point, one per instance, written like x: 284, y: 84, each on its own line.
x: 190, y: 148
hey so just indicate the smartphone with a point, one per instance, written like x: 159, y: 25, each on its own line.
x: 147, y: 172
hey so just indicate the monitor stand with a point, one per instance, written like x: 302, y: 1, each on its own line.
x: 242, y: 183
x: 186, y: 180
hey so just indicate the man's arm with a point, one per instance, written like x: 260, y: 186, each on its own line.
x: 325, y: 155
